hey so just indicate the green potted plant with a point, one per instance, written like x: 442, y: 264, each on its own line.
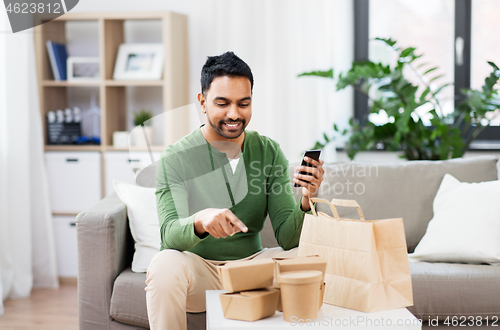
x: 444, y: 136
x: 142, y: 129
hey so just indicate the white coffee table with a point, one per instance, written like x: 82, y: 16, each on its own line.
x: 330, y: 317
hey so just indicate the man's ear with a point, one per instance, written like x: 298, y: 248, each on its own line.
x: 202, y: 100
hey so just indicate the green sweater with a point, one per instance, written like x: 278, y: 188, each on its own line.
x: 192, y: 176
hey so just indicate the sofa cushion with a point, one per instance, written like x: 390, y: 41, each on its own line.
x: 395, y: 190
x: 143, y: 221
x: 466, y: 224
x: 445, y: 289
x: 128, y: 300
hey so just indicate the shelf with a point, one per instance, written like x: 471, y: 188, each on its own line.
x: 111, y: 15
x: 71, y: 147
x: 64, y: 214
x: 153, y: 148
x: 134, y: 82
x: 65, y: 83
x: 97, y: 83
x: 98, y: 148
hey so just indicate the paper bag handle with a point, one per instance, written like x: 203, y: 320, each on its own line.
x: 333, y: 206
x: 320, y: 200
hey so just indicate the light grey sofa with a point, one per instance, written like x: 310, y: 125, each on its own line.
x: 111, y: 296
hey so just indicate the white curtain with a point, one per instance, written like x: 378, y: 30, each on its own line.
x: 280, y: 39
x: 27, y: 249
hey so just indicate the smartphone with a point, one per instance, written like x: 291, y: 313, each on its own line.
x: 313, y: 154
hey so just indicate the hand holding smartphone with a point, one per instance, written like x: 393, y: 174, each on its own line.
x: 313, y: 154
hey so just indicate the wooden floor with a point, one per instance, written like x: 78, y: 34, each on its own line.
x: 45, y: 309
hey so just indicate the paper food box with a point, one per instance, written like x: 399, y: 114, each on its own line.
x: 250, y: 305
x: 247, y: 275
x: 300, y: 263
x: 300, y: 294
x: 279, y: 307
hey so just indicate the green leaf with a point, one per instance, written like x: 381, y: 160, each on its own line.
x: 422, y: 64
x: 141, y: 117
x: 389, y: 41
x: 440, y: 89
x: 407, y: 51
x: 323, y: 74
x: 490, y: 107
x: 437, y: 77
x: 318, y: 145
x: 384, y: 131
x: 493, y: 65
x: 430, y: 70
x: 326, y: 138
x: 494, y: 101
x: 424, y: 93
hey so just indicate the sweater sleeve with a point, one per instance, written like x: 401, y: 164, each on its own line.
x: 285, y: 214
x: 176, y: 225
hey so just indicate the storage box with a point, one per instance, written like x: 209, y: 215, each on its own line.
x: 279, y: 307
x: 300, y: 263
x: 65, y: 243
x: 246, y: 275
x: 74, y: 180
x: 250, y: 305
x: 120, y: 165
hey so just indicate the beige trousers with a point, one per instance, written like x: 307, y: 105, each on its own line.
x: 176, y: 283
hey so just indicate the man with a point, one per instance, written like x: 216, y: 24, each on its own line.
x: 215, y: 187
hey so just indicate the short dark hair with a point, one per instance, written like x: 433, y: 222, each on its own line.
x: 227, y: 64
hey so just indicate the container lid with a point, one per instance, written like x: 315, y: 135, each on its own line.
x: 301, y: 277
x: 249, y: 263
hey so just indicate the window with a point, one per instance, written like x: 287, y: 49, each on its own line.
x: 484, y: 42
x: 433, y: 26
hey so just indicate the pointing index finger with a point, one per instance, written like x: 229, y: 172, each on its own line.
x: 240, y: 226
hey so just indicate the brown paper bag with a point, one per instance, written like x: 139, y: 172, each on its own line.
x: 367, y: 264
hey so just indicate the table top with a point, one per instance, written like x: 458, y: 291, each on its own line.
x: 329, y: 317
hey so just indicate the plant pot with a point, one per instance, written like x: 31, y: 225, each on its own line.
x: 138, y: 138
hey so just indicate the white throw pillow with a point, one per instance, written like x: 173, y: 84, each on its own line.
x: 466, y: 224
x: 143, y: 221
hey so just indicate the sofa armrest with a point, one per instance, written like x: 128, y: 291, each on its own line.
x: 102, y: 253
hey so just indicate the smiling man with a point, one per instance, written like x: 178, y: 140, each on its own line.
x: 214, y: 188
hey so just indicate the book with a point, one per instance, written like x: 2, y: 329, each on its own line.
x: 61, y: 59
x: 57, y: 56
x: 52, y: 58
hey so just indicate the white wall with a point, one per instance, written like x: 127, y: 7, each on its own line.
x: 278, y: 39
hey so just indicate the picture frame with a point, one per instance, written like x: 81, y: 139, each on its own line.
x: 139, y: 62
x: 83, y: 68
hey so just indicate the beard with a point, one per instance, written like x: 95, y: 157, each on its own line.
x: 224, y: 131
